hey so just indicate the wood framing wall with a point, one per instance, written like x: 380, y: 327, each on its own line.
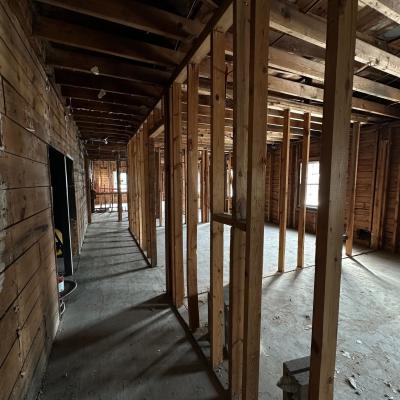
x: 366, y: 184
x: 143, y: 194
x: 103, y: 181
x: 31, y: 117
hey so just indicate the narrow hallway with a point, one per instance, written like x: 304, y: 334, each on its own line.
x: 118, y: 338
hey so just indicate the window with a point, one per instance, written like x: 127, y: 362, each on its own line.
x: 124, y: 185
x: 312, y: 183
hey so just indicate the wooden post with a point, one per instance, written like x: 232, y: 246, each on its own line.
x: 381, y: 180
x: 157, y: 180
x: 216, y: 319
x: 146, y: 190
x: 169, y: 265
x: 396, y: 226
x: 352, y: 185
x: 283, y: 190
x: 119, y: 187
x: 152, y: 183
x: 192, y: 197
x: 293, y: 184
x: 175, y: 201
x: 258, y: 89
x: 88, y: 191
x: 301, y: 227
x: 340, y: 47
x: 241, y: 39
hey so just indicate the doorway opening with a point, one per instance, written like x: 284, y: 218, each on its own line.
x: 61, y: 168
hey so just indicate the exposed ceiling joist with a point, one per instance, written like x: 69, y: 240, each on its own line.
x: 91, y: 39
x: 105, y: 83
x: 75, y: 92
x: 135, y: 15
x: 112, y: 109
x: 389, y: 8
x: 287, y: 19
x: 104, y: 65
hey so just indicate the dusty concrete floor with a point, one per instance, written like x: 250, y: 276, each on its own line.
x: 271, y: 249
x: 118, y: 338
x: 368, y: 339
x: 369, y: 326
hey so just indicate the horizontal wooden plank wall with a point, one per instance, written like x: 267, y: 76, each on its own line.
x: 364, y: 190
x: 32, y: 116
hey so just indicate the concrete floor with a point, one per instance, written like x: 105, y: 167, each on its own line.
x: 271, y: 250
x: 118, y: 338
x: 368, y: 340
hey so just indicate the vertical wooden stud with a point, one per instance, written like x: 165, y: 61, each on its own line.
x: 241, y: 38
x: 352, y: 185
x: 340, y: 48
x: 192, y: 197
x: 283, y: 190
x: 301, y: 228
x: 216, y: 319
x: 258, y: 89
x: 119, y: 195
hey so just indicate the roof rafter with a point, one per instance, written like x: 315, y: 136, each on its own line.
x: 135, y: 15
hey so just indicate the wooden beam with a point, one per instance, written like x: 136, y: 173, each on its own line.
x: 283, y: 191
x: 216, y: 319
x: 396, y: 219
x: 76, y: 35
x: 152, y: 196
x: 176, y: 194
x: 107, y: 84
x: 100, y: 116
x: 381, y: 182
x: 389, y: 8
x: 241, y: 61
x: 119, y: 193
x: 296, y: 64
x: 301, y: 227
x: 92, y: 94
x: 147, y: 189
x: 73, y: 59
x: 340, y: 47
x: 88, y: 191
x: 355, y: 145
x: 287, y: 19
x: 134, y: 15
x: 110, y: 109
x: 192, y: 196
x: 222, y: 21
x: 258, y: 84
x: 204, y: 187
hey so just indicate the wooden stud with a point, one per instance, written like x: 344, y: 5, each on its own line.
x: 340, y: 48
x: 88, y: 191
x: 192, y: 197
x: 352, y: 185
x: 216, y: 319
x: 303, y: 191
x: 283, y: 190
x: 119, y: 196
x: 381, y: 179
x: 152, y: 199
x: 176, y: 195
x: 396, y: 218
x: 241, y: 27
x: 258, y: 87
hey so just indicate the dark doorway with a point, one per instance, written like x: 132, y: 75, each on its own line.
x: 61, y: 210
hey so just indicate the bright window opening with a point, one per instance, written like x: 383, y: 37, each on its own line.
x: 124, y: 181
x: 312, y: 183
